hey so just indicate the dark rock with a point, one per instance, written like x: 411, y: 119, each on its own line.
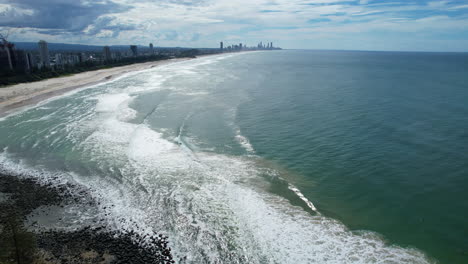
x: 80, y: 246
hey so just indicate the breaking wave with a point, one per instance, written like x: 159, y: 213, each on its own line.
x: 215, y: 208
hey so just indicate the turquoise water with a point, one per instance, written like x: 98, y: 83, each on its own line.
x: 269, y: 157
x: 380, y: 140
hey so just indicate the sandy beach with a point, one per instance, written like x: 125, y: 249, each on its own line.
x: 16, y: 96
x: 30, y: 210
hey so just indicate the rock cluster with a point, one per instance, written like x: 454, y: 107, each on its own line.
x: 95, y: 243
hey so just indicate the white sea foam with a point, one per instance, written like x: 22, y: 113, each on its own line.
x: 215, y: 208
x: 206, y: 210
x: 244, y: 142
x: 206, y: 203
x: 303, y: 198
x: 111, y: 102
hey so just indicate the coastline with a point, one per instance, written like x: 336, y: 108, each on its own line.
x: 36, y: 213
x: 30, y: 210
x: 24, y: 94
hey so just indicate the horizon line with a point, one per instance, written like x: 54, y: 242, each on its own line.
x: 305, y: 49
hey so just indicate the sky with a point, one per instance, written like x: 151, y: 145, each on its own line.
x: 412, y: 25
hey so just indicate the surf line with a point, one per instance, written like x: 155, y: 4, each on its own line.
x: 303, y: 198
x: 178, y: 139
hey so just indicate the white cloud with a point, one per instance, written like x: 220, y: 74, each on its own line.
x: 458, y: 7
x: 206, y: 22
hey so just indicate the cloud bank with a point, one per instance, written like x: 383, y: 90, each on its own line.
x: 333, y: 24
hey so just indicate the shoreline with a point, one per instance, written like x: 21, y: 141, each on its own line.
x: 30, y: 211
x: 20, y: 95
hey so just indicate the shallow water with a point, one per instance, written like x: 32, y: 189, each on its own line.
x: 268, y: 157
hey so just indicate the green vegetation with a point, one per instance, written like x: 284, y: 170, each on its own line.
x: 10, y: 77
x: 191, y: 53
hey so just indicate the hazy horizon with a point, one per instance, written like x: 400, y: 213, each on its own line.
x: 298, y: 49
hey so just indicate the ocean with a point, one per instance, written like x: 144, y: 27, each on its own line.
x: 268, y: 157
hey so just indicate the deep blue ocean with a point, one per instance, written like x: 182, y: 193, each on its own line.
x: 269, y: 157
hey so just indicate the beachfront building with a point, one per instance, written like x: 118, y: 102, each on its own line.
x: 107, y: 53
x: 221, y: 46
x: 44, y: 54
x: 59, y: 59
x: 6, y: 62
x: 74, y: 59
x: 16, y: 60
x: 151, y: 49
x: 134, y: 50
x: 20, y: 60
x: 117, y: 55
x: 30, y: 61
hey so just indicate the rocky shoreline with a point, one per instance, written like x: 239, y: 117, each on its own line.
x: 24, y: 202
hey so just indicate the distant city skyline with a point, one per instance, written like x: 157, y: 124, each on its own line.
x: 414, y: 25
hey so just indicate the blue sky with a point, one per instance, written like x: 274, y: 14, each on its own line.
x: 422, y: 25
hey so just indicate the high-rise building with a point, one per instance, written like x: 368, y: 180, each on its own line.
x: 30, y: 63
x: 261, y: 45
x: 221, y: 46
x: 16, y: 60
x: 117, y: 55
x: 19, y: 60
x: 151, y: 49
x: 58, y: 59
x: 240, y: 46
x: 44, y: 54
x: 107, y: 54
x: 134, y: 50
x: 7, y: 59
x: 83, y: 57
x: 74, y: 59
